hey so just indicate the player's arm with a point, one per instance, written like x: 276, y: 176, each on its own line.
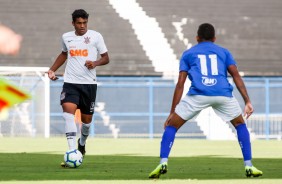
x: 102, y: 61
x: 178, y: 91
x: 62, y: 57
x: 232, y: 69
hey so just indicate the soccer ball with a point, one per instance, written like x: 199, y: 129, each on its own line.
x: 73, y: 158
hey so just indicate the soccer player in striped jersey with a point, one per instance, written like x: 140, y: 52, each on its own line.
x: 80, y: 49
x: 207, y: 64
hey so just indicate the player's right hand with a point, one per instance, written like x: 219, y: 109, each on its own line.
x: 51, y: 75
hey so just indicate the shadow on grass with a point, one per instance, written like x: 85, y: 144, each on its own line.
x: 31, y: 166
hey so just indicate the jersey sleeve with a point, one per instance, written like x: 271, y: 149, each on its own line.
x: 101, y: 46
x: 229, y: 59
x: 64, y: 47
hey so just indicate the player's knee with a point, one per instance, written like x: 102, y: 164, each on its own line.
x: 176, y: 121
x: 237, y: 121
x: 86, y: 119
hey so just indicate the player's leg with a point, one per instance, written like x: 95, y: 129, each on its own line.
x: 229, y: 110
x: 245, y: 144
x: 86, y: 105
x: 85, y: 129
x: 69, y: 100
x: 184, y: 111
x: 174, y: 123
x: 243, y: 136
x: 70, y: 126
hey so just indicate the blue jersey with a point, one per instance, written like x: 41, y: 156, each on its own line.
x: 206, y: 64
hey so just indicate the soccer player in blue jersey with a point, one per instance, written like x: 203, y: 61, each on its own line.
x: 207, y: 64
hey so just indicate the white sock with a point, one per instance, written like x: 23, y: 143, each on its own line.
x: 248, y: 163
x: 163, y: 160
x: 70, y: 128
x: 84, y: 133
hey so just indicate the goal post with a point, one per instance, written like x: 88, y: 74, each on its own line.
x: 26, y: 119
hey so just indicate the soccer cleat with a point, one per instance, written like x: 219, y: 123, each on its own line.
x: 64, y: 165
x: 81, y: 148
x: 161, y: 169
x: 252, y: 171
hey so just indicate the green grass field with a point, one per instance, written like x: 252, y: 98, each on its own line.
x: 128, y: 161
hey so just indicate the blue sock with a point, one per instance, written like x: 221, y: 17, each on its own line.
x: 244, y: 141
x: 167, y: 141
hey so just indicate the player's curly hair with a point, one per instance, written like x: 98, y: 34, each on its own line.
x: 206, y: 31
x: 79, y: 13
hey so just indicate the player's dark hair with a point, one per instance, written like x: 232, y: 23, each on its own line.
x: 79, y: 13
x: 206, y: 31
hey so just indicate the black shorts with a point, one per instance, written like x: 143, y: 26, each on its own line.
x: 83, y: 95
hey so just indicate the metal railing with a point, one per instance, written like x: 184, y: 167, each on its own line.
x: 147, y: 100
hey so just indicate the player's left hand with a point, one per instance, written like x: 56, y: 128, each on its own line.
x: 90, y: 64
x: 248, y: 110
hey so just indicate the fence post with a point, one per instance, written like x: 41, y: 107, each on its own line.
x: 267, y: 109
x: 47, y: 105
x: 151, y: 109
x: 92, y: 133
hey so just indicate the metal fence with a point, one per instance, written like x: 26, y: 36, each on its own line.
x: 138, y: 106
x: 266, y: 96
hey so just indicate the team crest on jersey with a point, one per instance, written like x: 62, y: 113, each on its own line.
x: 208, y: 81
x: 87, y: 40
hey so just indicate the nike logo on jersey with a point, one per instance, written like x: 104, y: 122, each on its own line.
x: 70, y: 41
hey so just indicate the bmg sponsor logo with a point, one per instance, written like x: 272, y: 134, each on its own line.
x: 79, y: 52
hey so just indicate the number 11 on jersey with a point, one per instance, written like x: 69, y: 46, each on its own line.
x: 204, y: 67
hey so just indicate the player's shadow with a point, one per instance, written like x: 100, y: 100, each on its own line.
x: 45, y: 166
